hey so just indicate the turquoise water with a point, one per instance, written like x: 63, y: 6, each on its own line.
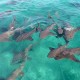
x: 40, y: 67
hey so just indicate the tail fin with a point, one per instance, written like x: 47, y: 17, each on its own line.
x: 72, y: 57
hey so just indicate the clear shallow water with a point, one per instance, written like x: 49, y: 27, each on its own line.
x: 40, y: 67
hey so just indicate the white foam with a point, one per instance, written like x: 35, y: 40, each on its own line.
x: 69, y: 28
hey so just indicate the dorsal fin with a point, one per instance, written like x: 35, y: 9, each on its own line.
x: 12, y: 24
x: 49, y: 15
x: 51, y: 48
x: 38, y: 29
x: 30, y: 38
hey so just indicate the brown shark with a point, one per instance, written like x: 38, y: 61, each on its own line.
x: 69, y: 32
x: 47, y: 32
x: 26, y: 35
x: 68, y: 56
x: 22, y: 56
x: 11, y: 26
x: 71, y: 51
x: 54, y: 52
x: 68, y: 53
x: 19, y: 30
x: 64, y: 53
x: 6, y: 35
x: 17, y: 72
x: 60, y: 30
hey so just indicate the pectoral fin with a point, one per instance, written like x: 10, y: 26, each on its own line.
x: 51, y: 48
x: 38, y: 29
x: 59, y: 45
x: 29, y: 38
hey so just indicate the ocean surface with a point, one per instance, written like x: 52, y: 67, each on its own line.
x: 39, y: 67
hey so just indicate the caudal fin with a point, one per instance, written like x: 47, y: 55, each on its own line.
x: 72, y: 57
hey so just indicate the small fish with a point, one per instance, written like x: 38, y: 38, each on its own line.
x: 47, y: 32
x: 17, y: 72
x: 25, y: 36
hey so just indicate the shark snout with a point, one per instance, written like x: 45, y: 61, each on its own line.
x: 50, y: 55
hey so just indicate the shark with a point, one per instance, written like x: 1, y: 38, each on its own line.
x: 6, y: 36
x: 47, y: 32
x: 21, y: 56
x: 7, y: 33
x: 11, y: 26
x: 59, y: 31
x: 54, y: 52
x: 26, y: 36
x: 17, y: 72
x: 64, y: 52
x: 69, y: 32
